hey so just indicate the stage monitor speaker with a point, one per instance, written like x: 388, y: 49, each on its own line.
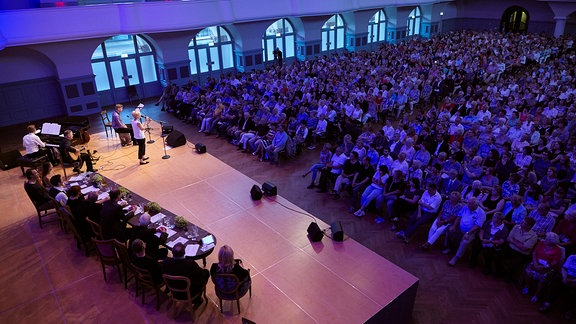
x: 269, y: 189
x: 256, y: 193
x: 8, y: 159
x: 167, y: 129
x: 337, y: 232
x: 200, y: 148
x: 315, y: 233
x: 175, y: 139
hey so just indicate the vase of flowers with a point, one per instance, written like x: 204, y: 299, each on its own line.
x: 152, y: 208
x: 180, y: 221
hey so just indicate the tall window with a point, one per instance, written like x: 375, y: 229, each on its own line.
x: 279, y: 34
x: 333, y: 33
x: 211, y: 50
x: 377, y: 27
x: 414, y: 19
x: 515, y: 19
x: 123, y: 60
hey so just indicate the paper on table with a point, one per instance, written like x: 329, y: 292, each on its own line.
x: 157, y: 218
x: 168, y: 231
x: 181, y: 239
x: 77, y: 178
x: 103, y: 195
x: 88, y: 189
x: 192, y: 249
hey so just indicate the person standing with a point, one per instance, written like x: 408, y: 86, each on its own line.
x: 124, y: 132
x: 139, y: 135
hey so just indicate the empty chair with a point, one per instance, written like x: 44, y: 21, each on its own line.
x: 229, y: 287
x: 145, y: 280
x: 108, y: 256
x: 132, y: 94
x: 106, y: 122
x: 179, y: 286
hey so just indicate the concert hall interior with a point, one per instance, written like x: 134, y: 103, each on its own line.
x: 82, y: 57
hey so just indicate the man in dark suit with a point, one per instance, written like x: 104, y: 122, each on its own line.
x: 395, y: 145
x: 148, y: 235
x: 440, y: 145
x: 112, y: 218
x: 180, y: 266
x: 450, y: 184
x: 142, y: 261
x: 89, y: 207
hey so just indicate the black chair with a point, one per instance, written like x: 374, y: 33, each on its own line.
x: 127, y: 266
x: 96, y: 229
x: 229, y: 287
x: 132, y: 93
x: 106, y: 122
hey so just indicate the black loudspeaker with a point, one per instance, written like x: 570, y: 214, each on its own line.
x: 337, y: 232
x: 256, y: 193
x: 200, y: 148
x: 8, y: 159
x: 167, y: 129
x: 175, y: 139
x: 315, y: 233
x: 269, y: 189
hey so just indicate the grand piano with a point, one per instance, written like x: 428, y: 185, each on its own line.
x: 78, y: 125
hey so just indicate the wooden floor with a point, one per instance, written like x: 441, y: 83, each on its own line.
x: 445, y: 295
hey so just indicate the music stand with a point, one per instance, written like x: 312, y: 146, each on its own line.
x: 164, y: 135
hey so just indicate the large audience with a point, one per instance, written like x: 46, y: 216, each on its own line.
x: 469, y: 135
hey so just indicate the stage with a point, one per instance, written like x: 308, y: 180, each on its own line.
x: 293, y: 280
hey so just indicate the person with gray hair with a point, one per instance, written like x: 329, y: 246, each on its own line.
x: 468, y: 223
x: 148, y: 235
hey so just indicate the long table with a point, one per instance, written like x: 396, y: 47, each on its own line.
x: 199, y: 242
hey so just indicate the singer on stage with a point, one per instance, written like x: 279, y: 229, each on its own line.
x: 139, y: 135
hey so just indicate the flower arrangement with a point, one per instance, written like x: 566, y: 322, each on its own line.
x: 153, y: 207
x: 123, y: 191
x: 97, y: 178
x: 180, y: 221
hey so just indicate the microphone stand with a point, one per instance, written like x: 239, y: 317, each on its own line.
x: 150, y: 140
x: 166, y: 156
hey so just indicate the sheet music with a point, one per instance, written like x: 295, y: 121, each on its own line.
x: 156, y: 218
x: 192, y: 249
x: 88, y: 189
x: 51, y: 129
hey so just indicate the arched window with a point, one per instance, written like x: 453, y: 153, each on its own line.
x: 333, y: 33
x: 122, y: 61
x: 414, y: 19
x: 211, y: 50
x: 377, y: 27
x: 515, y: 19
x: 279, y: 34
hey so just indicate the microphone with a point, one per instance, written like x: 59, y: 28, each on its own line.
x: 161, y: 122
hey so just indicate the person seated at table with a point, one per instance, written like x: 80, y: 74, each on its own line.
x: 58, y: 191
x: 143, y: 261
x: 124, y: 131
x: 90, y: 207
x: 148, y: 235
x: 35, y: 190
x: 178, y: 265
x: 227, y: 264
x: 66, y: 148
x: 112, y: 218
x: 46, y: 173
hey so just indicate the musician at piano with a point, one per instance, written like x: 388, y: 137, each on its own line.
x: 124, y: 131
x: 34, y: 145
x: 71, y: 154
x: 139, y: 135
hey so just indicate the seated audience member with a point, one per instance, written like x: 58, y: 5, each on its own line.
x: 566, y: 230
x: 446, y: 217
x: 545, y: 266
x: 407, y: 202
x: 332, y: 170
x: 514, y: 211
x: 112, y: 218
x: 178, y: 265
x: 374, y: 190
x: 325, y: 158
x: 142, y: 261
x: 493, y: 202
x: 450, y: 184
x: 544, y: 221
x: 148, y: 235
x: 473, y: 190
x: 277, y: 145
x: 521, y: 241
x: 58, y: 191
x: 228, y: 265
x: 426, y: 211
x: 490, y: 242
x: 89, y: 207
x: 393, y: 187
x: 467, y: 224
x: 349, y: 171
x: 46, y: 174
x: 65, y: 150
x: 360, y: 182
x: 37, y: 193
